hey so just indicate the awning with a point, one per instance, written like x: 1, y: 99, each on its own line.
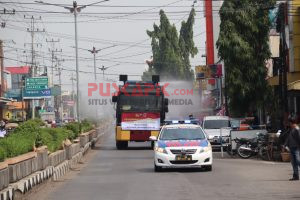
x: 291, y: 78
x: 6, y: 100
x: 294, y: 85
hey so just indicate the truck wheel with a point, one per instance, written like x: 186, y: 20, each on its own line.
x: 125, y: 145
x: 121, y: 145
x: 152, y: 144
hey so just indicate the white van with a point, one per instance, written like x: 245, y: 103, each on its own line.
x: 212, y: 126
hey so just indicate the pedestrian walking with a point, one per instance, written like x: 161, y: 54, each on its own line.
x: 293, y: 143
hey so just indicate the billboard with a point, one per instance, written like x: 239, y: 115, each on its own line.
x: 201, y: 72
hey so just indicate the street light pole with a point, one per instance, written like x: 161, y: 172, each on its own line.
x: 74, y: 9
x: 77, y: 64
x: 95, y: 64
x: 94, y: 51
x: 105, y: 68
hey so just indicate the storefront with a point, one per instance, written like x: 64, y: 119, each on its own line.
x: 294, y: 98
x: 3, y: 107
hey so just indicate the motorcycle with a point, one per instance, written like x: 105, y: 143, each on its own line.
x: 255, y: 146
x: 2, y: 129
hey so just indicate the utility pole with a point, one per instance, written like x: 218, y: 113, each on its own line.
x: 59, y: 69
x: 60, y: 85
x: 73, y: 79
x: 53, y: 51
x: 2, y: 69
x: 281, y: 24
x: 32, y: 30
x: 75, y: 9
x: 6, y: 12
x: 3, y: 12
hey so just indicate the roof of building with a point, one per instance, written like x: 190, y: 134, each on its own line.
x: 5, y: 100
x: 18, y: 70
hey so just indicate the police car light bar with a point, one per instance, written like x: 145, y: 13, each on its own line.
x: 181, y: 122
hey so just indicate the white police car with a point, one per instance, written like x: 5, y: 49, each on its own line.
x: 181, y: 145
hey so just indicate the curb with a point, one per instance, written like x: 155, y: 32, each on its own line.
x: 7, y: 194
x: 51, y: 172
x: 26, y: 184
x: 61, y: 170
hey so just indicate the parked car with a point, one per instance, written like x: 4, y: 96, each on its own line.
x: 212, y: 126
x: 239, y: 124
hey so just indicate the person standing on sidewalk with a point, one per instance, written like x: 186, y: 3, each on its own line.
x: 293, y: 143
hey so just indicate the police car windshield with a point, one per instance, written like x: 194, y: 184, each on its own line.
x: 178, y: 133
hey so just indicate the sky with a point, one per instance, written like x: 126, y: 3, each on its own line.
x: 119, y: 26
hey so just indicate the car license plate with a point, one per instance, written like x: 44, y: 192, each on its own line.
x: 183, y: 157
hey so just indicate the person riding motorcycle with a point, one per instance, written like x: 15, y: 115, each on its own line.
x: 2, y: 129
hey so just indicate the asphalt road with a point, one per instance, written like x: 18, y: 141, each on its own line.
x: 128, y: 175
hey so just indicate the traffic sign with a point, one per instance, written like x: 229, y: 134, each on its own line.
x: 8, y: 115
x: 36, y: 83
x: 37, y: 94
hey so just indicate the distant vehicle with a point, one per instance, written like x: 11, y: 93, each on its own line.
x: 239, y: 124
x: 212, y: 126
x: 48, y: 116
x: 140, y: 110
x: 10, y: 127
x: 3, y: 131
x: 182, y: 146
x: 248, y: 147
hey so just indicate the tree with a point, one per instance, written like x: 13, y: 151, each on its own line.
x: 171, y: 53
x: 243, y: 46
x: 187, y: 45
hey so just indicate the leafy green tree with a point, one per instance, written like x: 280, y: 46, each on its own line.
x: 243, y: 46
x: 171, y: 53
x: 187, y: 45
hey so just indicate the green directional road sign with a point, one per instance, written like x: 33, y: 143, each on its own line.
x: 36, y: 83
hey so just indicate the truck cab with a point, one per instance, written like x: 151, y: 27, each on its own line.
x: 140, y: 110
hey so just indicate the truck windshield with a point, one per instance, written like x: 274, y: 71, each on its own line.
x: 216, y: 124
x: 182, y: 134
x: 149, y: 102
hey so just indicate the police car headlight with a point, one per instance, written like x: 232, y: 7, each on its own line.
x: 206, y: 149
x: 160, y: 150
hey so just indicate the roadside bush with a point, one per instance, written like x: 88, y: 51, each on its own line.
x: 30, y: 134
x: 2, y: 154
x: 74, y: 127
x: 17, y: 144
x: 86, y: 126
x: 21, y: 140
x: 53, y: 137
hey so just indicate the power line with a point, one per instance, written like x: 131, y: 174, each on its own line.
x: 73, y: 70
